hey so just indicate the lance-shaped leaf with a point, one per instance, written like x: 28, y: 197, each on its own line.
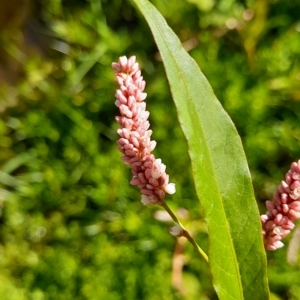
x: 220, y: 171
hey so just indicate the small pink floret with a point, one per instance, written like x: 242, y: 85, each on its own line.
x: 176, y: 230
x: 170, y: 188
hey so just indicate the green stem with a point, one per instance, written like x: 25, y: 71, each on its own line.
x: 193, y: 242
x: 185, y: 232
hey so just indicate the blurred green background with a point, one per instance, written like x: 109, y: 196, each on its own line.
x: 71, y: 226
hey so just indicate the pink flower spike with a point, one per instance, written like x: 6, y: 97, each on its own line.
x: 283, y: 211
x: 149, y: 173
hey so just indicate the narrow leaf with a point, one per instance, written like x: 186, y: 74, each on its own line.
x: 220, y: 171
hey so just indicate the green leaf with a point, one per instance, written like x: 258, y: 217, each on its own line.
x: 222, y: 178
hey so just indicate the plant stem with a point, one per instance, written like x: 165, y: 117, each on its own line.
x: 185, y: 232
